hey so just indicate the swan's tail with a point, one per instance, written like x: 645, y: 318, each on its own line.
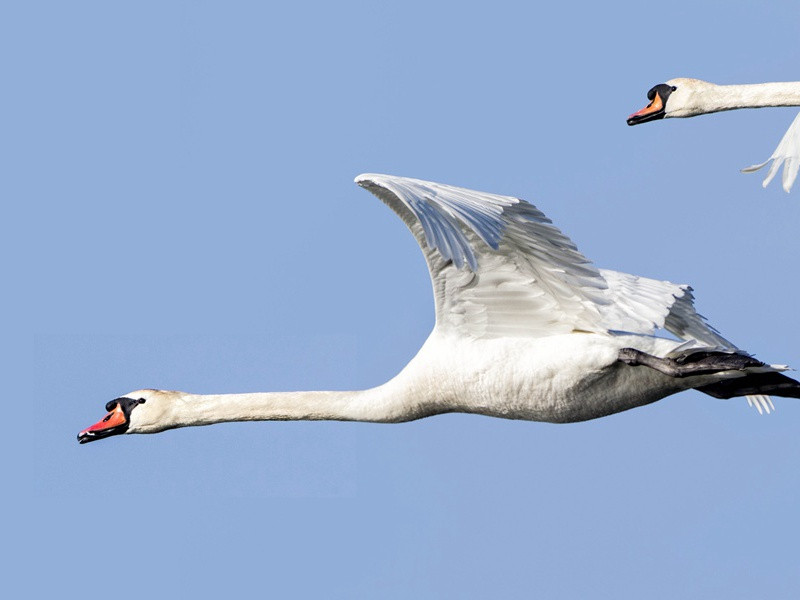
x: 748, y: 376
x: 759, y: 382
x: 754, y: 385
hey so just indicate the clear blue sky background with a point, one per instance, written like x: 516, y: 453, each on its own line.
x: 180, y: 214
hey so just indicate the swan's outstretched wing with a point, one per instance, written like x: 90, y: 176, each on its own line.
x: 787, y: 154
x: 500, y: 268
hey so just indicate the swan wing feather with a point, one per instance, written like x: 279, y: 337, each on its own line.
x: 662, y: 305
x: 787, y: 154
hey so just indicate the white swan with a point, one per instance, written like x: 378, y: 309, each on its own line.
x: 691, y: 97
x: 526, y: 328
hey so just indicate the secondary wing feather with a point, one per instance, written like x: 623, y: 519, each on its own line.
x: 665, y: 305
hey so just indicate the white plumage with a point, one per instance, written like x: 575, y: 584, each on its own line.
x: 526, y: 328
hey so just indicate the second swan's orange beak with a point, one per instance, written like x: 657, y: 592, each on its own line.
x: 108, y: 425
x: 648, y: 113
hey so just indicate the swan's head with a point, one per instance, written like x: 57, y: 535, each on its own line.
x: 676, y: 98
x: 142, y: 411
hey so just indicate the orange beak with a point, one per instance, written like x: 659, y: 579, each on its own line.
x: 115, y: 418
x: 648, y: 113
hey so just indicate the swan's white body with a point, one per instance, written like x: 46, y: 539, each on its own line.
x: 693, y: 97
x: 526, y: 328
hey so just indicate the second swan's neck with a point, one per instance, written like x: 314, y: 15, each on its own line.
x: 717, y: 98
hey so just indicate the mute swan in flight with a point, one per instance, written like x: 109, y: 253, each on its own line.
x: 691, y: 97
x: 526, y: 328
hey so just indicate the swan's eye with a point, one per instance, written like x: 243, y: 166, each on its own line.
x: 674, y: 88
x: 142, y: 400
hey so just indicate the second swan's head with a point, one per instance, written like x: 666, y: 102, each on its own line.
x: 676, y: 98
x: 142, y: 411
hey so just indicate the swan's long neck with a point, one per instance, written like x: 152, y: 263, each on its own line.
x: 385, y: 403
x: 282, y: 406
x: 717, y: 98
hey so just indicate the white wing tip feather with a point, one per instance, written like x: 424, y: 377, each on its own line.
x: 763, y: 404
x: 377, y: 179
x: 752, y: 168
x: 364, y: 178
x: 787, y: 154
x: 790, y: 169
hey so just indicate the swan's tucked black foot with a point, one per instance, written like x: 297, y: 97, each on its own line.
x: 703, y: 362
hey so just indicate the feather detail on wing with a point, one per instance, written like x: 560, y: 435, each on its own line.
x: 642, y: 305
x: 499, y: 266
x: 787, y: 154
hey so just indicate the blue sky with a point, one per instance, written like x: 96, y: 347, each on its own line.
x: 183, y: 217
